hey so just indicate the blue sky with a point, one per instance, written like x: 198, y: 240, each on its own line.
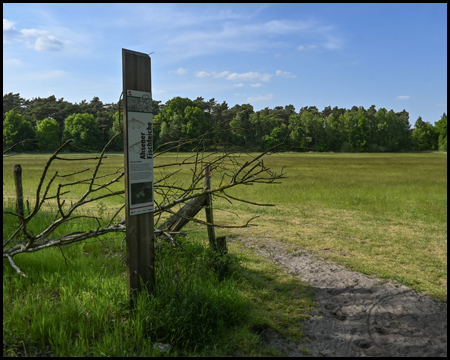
x: 389, y: 55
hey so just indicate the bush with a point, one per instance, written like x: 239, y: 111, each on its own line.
x: 375, y: 148
x: 190, y: 309
x: 347, y: 147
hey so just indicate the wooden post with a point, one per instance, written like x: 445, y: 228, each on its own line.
x: 140, y: 227
x: 19, y: 189
x: 208, y: 207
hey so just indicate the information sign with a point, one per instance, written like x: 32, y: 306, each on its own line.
x: 140, y: 152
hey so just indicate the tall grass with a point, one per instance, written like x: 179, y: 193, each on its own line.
x: 77, y: 304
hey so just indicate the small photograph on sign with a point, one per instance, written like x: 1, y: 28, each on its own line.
x: 141, y: 193
x: 138, y: 103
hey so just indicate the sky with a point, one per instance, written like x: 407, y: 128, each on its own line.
x: 388, y: 55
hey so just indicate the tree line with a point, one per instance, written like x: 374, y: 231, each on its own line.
x: 50, y: 122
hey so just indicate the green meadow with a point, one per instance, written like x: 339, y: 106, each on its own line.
x: 380, y: 214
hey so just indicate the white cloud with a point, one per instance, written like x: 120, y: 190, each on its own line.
x: 303, y: 47
x: 12, y: 62
x: 243, y: 77
x: 332, y: 42
x: 403, y: 97
x: 286, y: 26
x: 221, y: 74
x: 190, y: 32
x: 277, y: 55
x: 249, y: 76
x: 47, y: 43
x: 180, y: 71
x: 159, y: 91
x: 285, y: 74
x: 442, y: 104
x: 7, y: 25
x: 260, y: 98
x: 237, y: 94
x: 39, y: 40
x: 203, y: 74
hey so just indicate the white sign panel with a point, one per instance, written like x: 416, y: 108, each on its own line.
x: 140, y: 152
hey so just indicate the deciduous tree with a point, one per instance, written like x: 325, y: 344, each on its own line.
x: 16, y: 129
x: 47, y: 137
x: 84, y: 130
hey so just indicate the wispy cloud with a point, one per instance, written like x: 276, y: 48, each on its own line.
x: 12, y: 63
x: 249, y: 76
x: 239, y: 85
x: 257, y: 98
x: 39, y: 40
x: 402, y: 97
x: 243, y: 77
x: 187, y: 34
x: 214, y: 75
x: 219, y: 75
x: 180, y: 71
x: 285, y: 74
x: 303, y: 47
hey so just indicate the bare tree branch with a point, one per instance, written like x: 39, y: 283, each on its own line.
x: 234, y: 169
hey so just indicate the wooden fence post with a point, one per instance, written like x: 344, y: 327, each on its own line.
x: 138, y: 161
x: 19, y: 189
x: 208, y: 207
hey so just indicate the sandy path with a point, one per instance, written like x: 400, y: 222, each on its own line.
x: 357, y: 315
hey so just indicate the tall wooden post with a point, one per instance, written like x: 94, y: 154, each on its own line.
x: 138, y: 182
x: 208, y: 208
x: 19, y: 189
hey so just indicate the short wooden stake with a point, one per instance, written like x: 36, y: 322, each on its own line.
x: 19, y: 189
x: 208, y: 207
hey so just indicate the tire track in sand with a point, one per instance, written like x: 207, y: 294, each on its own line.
x: 357, y: 315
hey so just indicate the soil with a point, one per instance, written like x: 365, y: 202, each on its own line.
x: 356, y: 315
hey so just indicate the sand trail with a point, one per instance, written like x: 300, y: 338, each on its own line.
x: 357, y: 315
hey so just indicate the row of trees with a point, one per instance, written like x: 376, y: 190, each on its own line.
x: 51, y: 122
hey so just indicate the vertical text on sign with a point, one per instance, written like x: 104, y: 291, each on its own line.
x: 140, y: 151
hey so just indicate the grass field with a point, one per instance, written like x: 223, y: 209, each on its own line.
x: 380, y: 214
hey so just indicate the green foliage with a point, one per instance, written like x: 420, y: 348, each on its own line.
x: 83, y: 129
x: 47, y: 132
x: 240, y: 125
x: 368, y: 130
x: 275, y: 137
x: 360, y: 133
x: 12, y: 102
x: 425, y: 136
x: 16, y: 129
x: 195, y: 122
x: 117, y: 127
x: 332, y: 132
x: 347, y: 147
x: 441, y: 127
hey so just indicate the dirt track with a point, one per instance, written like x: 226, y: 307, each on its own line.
x: 357, y: 315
